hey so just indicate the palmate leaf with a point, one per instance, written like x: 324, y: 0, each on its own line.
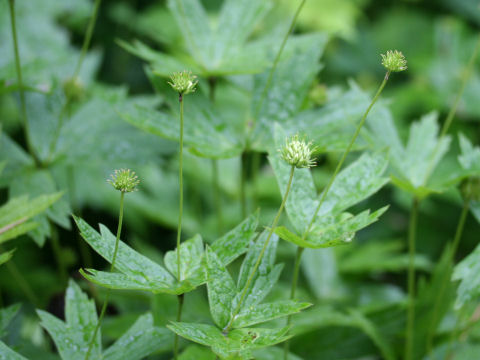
x: 228, y: 340
x: 469, y: 160
x: 137, y: 272
x: 205, y: 133
x: 288, y: 89
x: 73, y: 336
x: 213, y: 49
x: 238, y: 342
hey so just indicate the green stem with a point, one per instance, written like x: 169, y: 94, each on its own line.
x: 445, y: 281
x: 277, y: 59
x: 57, y: 250
x: 21, y: 281
x: 412, y: 229
x: 243, y: 180
x: 112, y: 266
x: 180, y: 179
x: 255, y: 167
x: 217, y: 196
x: 18, y: 67
x: 88, y: 38
x: 296, y: 272
x: 344, y: 156
x: 265, y: 245
x: 180, y: 298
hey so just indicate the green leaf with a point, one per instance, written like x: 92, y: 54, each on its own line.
x: 14, y: 215
x: 191, y: 256
x: 469, y: 158
x: 236, y: 241
x: 468, y: 272
x: 221, y: 289
x: 265, y: 277
x: 73, y: 336
x: 288, y: 89
x: 237, y: 341
x: 142, y: 339
x: 195, y: 352
x: 265, y: 312
x: 6, y: 316
x: 7, y: 353
x: 4, y: 257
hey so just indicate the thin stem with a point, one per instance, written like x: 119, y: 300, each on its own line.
x: 217, y: 196
x: 180, y: 298
x: 347, y: 151
x: 445, y: 282
x: 296, y: 272
x: 57, y: 250
x: 449, y: 119
x: 18, y: 67
x: 88, y: 37
x: 265, y: 245
x: 243, y: 180
x: 112, y: 266
x: 21, y: 281
x: 411, y: 280
x: 180, y: 179
x: 277, y: 59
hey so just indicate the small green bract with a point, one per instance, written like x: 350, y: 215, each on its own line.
x: 183, y: 82
x: 394, y: 61
x: 297, y: 152
x: 124, y: 180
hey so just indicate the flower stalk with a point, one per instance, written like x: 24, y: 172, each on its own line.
x: 124, y: 181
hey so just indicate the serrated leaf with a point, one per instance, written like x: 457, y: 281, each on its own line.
x: 140, y: 340
x: 468, y: 272
x: 469, y: 158
x: 191, y: 255
x: 237, y: 341
x: 221, y: 289
x: 265, y: 312
x: 73, y: 336
x: 235, y: 242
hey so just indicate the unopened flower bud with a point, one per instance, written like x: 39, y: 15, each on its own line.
x: 394, y: 61
x: 124, y: 180
x: 297, y: 152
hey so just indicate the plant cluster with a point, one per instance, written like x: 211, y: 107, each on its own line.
x: 256, y: 168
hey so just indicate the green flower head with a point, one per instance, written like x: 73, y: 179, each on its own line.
x: 394, y: 61
x: 183, y: 82
x: 297, y: 152
x: 124, y: 180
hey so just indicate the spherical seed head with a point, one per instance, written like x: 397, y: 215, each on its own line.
x: 394, y: 61
x: 183, y: 82
x: 73, y: 89
x: 297, y: 152
x: 124, y: 180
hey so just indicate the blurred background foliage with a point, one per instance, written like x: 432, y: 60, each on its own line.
x: 436, y: 36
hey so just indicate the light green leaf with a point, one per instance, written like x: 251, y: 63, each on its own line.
x: 195, y: 352
x: 470, y: 156
x: 265, y: 312
x: 73, y: 336
x: 221, y: 289
x: 142, y: 339
x: 288, y: 89
x: 7, y: 353
x: 468, y: 272
x: 14, y: 215
x: 265, y: 277
x: 191, y: 256
x: 235, y: 242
